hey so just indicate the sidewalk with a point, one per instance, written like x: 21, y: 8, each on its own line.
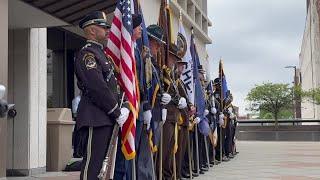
x: 256, y: 160
x: 50, y: 176
x: 269, y: 161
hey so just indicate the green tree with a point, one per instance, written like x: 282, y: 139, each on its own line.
x: 271, y: 98
x: 313, y: 95
x: 283, y: 114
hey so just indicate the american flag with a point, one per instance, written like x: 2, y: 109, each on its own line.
x: 120, y: 48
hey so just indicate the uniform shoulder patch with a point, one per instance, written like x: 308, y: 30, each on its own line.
x: 90, y: 61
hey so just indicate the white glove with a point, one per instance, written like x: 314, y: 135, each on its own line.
x: 75, y: 104
x: 147, y: 115
x: 213, y: 102
x: 206, y: 112
x: 221, y: 121
x: 123, y: 116
x: 2, y: 91
x: 164, y: 115
x: 231, y: 115
x: 182, y: 103
x: 213, y: 110
x: 165, y: 99
x: 197, y: 120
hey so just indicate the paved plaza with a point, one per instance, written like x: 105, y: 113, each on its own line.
x: 256, y: 160
x: 271, y: 160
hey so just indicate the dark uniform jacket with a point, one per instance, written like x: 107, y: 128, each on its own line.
x: 172, y: 108
x: 156, y: 94
x: 212, y: 117
x: 140, y: 77
x: 99, y: 105
x: 183, y: 93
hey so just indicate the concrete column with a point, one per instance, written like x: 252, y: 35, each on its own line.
x: 28, y: 80
x: 3, y: 80
x: 38, y: 97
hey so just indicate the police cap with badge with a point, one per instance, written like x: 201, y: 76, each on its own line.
x: 217, y: 82
x: 136, y: 20
x: 201, y: 69
x: 98, y: 18
x: 156, y: 32
x: 179, y: 50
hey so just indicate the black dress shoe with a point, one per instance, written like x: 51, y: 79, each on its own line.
x: 195, y: 174
x: 204, y: 169
x: 186, y: 176
x: 182, y: 178
x: 194, y: 171
x: 225, y: 159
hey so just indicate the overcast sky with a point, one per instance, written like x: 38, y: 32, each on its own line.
x: 256, y: 40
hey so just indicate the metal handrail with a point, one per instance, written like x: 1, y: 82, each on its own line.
x: 279, y: 121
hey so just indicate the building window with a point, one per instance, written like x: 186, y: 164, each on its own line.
x: 62, y: 46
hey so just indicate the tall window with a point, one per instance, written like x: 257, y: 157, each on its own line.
x: 62, y: 46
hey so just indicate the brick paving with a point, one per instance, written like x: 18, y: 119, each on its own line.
x: 256, y: 160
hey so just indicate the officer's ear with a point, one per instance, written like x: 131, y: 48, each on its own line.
x: 89, y: 31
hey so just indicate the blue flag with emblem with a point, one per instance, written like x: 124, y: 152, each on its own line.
x: 199, y: 95
x: 149, y: 84
x: 210, y: 88
x: 224, y: 86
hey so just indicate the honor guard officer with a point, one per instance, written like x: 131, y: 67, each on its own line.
x: 144, y: 158
x: 184, y: 119
x: 220, y: 148
x: 228, y: 111
x: 159, y: 97
x: 99, y: 108
x: 174, y: 108
x: 212, y: 119
x: 203, y: 126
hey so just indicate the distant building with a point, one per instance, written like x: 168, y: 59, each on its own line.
x: 310, y: 58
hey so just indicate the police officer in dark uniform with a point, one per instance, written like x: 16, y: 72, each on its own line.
x: 178, y: 103
x: 221, y: 116
x: 203, y: 126
x: 183, y: 121
x: 99, y: 108
x: 212, y: 120
x: 228, y: 125
x: 123, y: 167
x: 159, y: 97
x: 144, y: 156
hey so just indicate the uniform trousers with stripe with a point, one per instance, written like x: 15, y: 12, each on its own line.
x: 228, y: 139
x: 143, y: 157
x: 218, y: 142
x: 167, y: 154
x: 98, y: 140
x: 182, y: 148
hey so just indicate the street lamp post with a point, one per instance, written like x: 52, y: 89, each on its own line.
x: 295, y: 82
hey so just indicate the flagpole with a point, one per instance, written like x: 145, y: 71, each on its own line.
x: 196, y: 129
x: 221, y: 106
